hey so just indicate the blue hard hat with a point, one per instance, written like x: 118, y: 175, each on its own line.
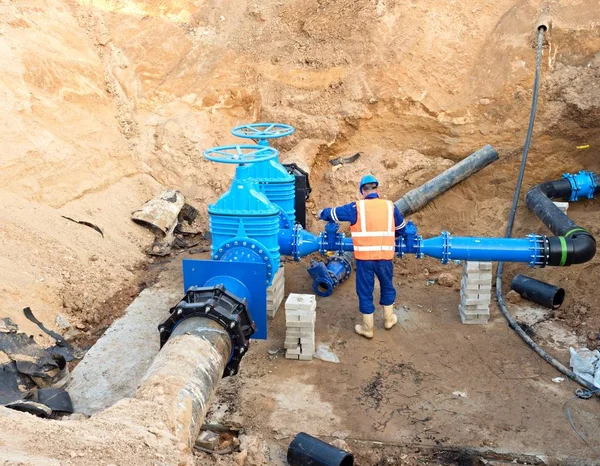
x: 368, y: 179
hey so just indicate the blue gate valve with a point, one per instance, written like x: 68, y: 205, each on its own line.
x: 244, y: 224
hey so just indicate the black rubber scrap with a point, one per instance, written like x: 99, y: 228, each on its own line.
x: 345, y: 160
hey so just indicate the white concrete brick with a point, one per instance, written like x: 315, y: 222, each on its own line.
x: 291, y: 345
x: 299, y: 334
x: 295, y: 350
x: 562, y: 206
x: 307, y: 340
x: 301, y: 325
x: 301, y: 302
x: 307, y: 349
x: 473, y: 266
x: 295, y: 315
x: 478, y: 276
x: 474, y: 319
x: 305, y: 357
x: 475, y: 285
x: 291, y: 356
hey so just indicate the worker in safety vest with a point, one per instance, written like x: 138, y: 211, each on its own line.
x: 375, y: 223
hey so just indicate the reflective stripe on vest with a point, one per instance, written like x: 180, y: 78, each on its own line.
x: 373, y: 233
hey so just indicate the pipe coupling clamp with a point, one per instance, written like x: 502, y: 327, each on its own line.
x: 217, y: 304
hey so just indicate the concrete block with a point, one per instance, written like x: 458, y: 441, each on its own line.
x: 307, y: 349
x: 473, y: 310
x: 296, y: 315
x: 478, y: 276
x: 474, y: 319
x: 475, y: 285
x: 291, y: 356
x: 302, y: 325
x: 305, y: 357
x: 473, y: 266
x: 291, y: 344
x: 303, y: 302
x: 300, y: 334
x: 487, y: 281
x: 308, y: 340
x: 295, y: 350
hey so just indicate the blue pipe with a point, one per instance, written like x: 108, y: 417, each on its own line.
x: 447, y: 248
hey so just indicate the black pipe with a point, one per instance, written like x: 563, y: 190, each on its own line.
x: 306, y: 450
x: 572, y: 243
x: 511, y: 219
x: 539, y: 292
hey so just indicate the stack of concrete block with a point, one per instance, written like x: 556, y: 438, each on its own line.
x: 475, y: 292
x: 300, y: 316
x: 275, y: 293
x: 562, y: 206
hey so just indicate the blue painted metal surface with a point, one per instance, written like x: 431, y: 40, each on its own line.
x: 298, y: 242
x: 272, y: 178
x: 582, y: 184
x: 245, y: 280
x: 446, y: 248
x: 327, y: 276
x: 244, y: 224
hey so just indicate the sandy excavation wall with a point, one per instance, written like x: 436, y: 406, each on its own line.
x: 107, y: 102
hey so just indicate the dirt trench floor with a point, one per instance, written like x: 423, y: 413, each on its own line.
x: 429, y: 384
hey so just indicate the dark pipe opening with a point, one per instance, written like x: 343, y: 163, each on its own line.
x: 322, y: 287
x: 306, y: 450
x: 559, y: 298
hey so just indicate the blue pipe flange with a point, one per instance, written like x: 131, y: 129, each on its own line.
x: 446, y: 253
x: 262, y: 131
x: 240, y: 154
x: 582, y: 185
x: 245, y: 250
x: 539, y: 250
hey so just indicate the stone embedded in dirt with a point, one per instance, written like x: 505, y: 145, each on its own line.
x: 446, y: 279
x: 341, y: 444
x: 62, y: 322
x: 513, y: 297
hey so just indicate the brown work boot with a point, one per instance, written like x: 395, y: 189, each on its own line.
x: 389, y: 318
x: 366, y: 329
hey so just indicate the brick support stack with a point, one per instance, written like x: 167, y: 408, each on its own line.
x: 275, y: 293
x: 300, y: 316
x: 475, y: 292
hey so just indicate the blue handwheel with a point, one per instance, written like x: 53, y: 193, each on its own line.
x: 240, y: 154
x: 262, y: 131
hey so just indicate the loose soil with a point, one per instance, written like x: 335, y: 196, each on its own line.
x: 106, y: 104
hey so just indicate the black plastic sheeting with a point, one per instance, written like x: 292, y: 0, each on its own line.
x: 28, y: 371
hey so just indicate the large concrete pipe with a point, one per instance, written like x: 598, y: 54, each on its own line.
x: 185, y: 374
x: 416, y: 199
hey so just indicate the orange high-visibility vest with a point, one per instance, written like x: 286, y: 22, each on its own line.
x: 373, y: 233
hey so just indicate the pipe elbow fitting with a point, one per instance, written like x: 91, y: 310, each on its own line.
x: 575, y: 248
x: 584, y: 247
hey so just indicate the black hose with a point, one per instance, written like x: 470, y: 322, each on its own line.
x: 511, y: 321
